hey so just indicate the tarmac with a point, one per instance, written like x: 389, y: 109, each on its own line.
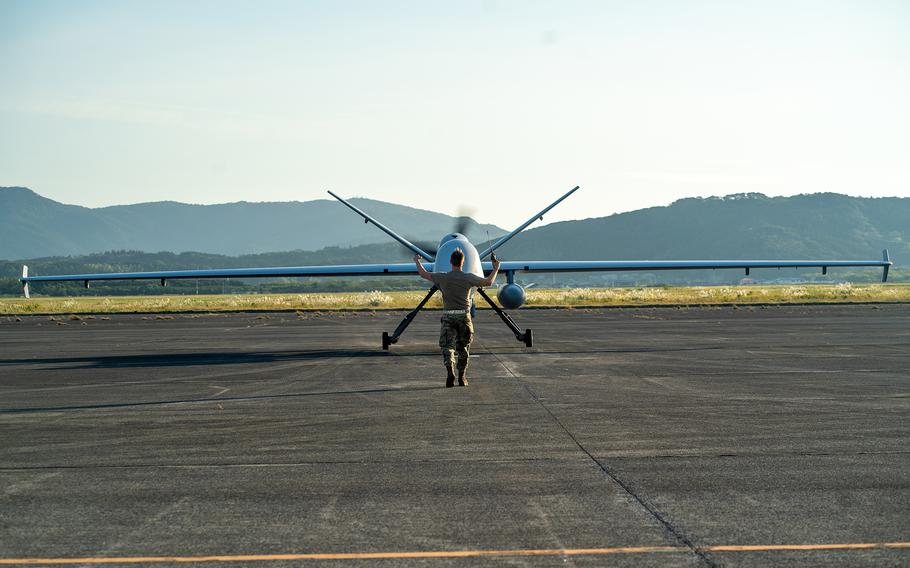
x: 660, y: 437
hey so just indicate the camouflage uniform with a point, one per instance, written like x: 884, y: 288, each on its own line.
x: 457, y: 331
x: 455, y: 339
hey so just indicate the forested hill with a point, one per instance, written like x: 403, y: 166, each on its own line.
x: 745, y: 226
x: 823, y: 225
x: 819, y: 226
x: 33, y: 226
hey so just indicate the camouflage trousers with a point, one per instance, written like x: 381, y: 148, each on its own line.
x: 455, y: 339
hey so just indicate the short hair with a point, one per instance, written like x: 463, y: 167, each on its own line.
x: 457, y: 257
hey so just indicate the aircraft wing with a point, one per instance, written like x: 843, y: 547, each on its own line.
x: 409, y: 269
x: 648, y: 265
x: 402, y: 269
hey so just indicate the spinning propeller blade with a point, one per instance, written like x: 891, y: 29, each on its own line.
x: 463, y: 222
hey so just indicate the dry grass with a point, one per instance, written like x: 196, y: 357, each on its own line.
x: 558, y: 297
x: 708, y: 295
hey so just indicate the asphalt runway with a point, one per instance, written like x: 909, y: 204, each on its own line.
x: 659, y: 437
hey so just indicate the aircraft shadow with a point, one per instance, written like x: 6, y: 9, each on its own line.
x: 258, y: 357
x: 211, y: 399
x: 195, y: 359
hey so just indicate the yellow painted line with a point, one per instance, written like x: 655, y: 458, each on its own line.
x: 448, y: 554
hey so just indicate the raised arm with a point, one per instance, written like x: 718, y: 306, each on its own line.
x: 489, y: 280
x: 421, y: 270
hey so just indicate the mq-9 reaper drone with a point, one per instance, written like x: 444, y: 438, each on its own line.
x: 511, y: 296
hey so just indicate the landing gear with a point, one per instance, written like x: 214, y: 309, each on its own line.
x: 527, y: 337
x: 387, y: 339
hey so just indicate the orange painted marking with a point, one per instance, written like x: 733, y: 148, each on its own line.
x: 447, y: 554
x: 772, y: 547
x: 348, y: 555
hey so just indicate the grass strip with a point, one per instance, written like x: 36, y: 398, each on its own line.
x: 536, y: 297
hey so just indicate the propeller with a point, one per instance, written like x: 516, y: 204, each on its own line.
x: 463, y: 222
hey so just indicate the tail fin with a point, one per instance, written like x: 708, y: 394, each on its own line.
x: 24, y: 280
x: 522, y: 227
x: 887, y: 260
x: 367, y: 219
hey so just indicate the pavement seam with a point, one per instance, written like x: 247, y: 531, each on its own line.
x: 668, y: 526
x: 14, y: 468
x: 146, y: 466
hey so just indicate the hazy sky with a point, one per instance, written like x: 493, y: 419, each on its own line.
x: 497, y: 105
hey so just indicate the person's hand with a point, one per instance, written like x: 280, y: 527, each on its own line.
x: 496, y: 262
x: 417, y: 258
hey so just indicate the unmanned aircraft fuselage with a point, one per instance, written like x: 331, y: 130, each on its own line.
x: 447, y: 246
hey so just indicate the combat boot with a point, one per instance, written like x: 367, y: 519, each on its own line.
x: 462, y: 379
x: 450, y: 377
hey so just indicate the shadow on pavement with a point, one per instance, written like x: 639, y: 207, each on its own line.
x: 210, y: 399
x: 191, y: 359
x: 244, y: 358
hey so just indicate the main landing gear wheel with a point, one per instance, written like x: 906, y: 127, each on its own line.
x: 528, y: 338
x: 385, y: 341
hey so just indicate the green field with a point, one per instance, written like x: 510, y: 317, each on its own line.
x: 376, y: 300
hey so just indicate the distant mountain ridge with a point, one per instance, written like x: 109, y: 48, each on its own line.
x: 33, y: 226
x: 745, y: 226
x: 739, y: 226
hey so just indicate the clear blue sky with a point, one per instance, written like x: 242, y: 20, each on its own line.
x: 497, y: 105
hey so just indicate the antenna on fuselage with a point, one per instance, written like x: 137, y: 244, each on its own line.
x: 407, y: 244
x: 524, y: 225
